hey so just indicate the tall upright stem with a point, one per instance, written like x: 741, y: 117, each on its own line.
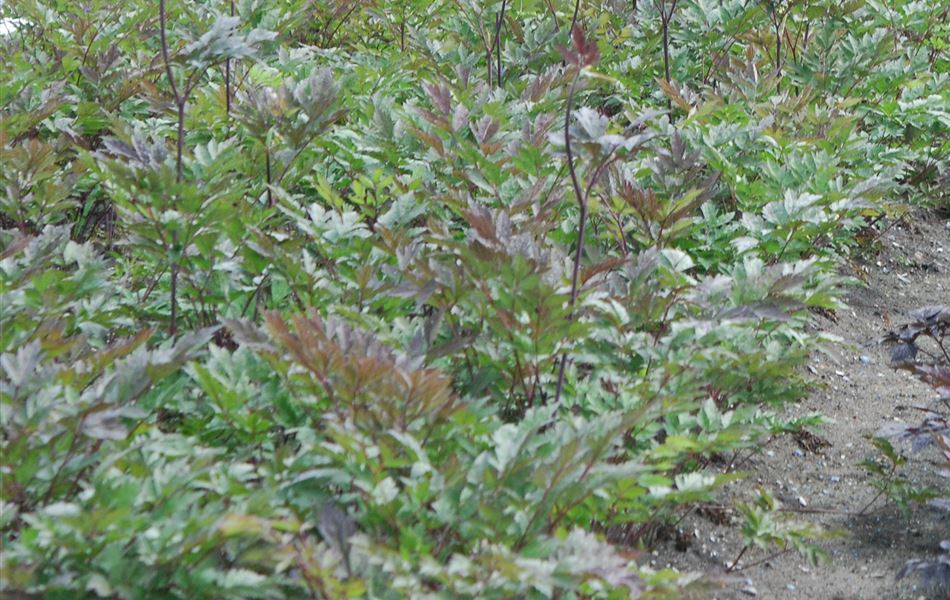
x: 168, y: 65
x: 227, y: 78
x: 227, y: 87
x: 180, y: 105
x: 181, y: 139
x: 270, y: 199
x: 173, y: 327
x: 582, y: 203
x: 179, y: 99
x: 499, y: 23
x: 666, y: 49
x: 666, y: 15
x: 778, y: 53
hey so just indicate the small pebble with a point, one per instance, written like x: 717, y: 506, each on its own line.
x: 749, y: 591
x: 798, y: 453
x: 866, y: 360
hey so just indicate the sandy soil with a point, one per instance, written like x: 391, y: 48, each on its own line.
x: 860, y: 393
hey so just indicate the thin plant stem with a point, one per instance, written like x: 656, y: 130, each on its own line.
x: 666, y: 49
x: 581, y: 201
x: 880, y: 492
x: 173, y: 327
x: 180, y: 142
x: 735, y: 563
x: 168, y: 65
x: 270, y: 199
x: 665, y: 17
x: 179, y: 99
x: 227, y: 78
x: 499, y: 23
x: 777, y: 22
x: 553, y: 11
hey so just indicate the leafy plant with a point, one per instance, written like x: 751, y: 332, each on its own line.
x: 764, y: 527
x: 220, y: 43
x: 401, y: 299
x: 931, y: 322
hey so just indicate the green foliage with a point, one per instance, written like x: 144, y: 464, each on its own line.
x: 764, y: 527
x: 295, y: 302
x: 890, y: 482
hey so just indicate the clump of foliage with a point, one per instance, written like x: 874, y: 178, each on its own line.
x: 931, y: 323
x: 416, y: 299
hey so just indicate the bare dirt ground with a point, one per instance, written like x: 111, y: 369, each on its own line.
x: 826, y: 485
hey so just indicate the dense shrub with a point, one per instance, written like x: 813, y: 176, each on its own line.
x: 408, y: 299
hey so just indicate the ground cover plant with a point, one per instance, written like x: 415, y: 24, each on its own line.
x: 425, y: 299
x: 931, y: 324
